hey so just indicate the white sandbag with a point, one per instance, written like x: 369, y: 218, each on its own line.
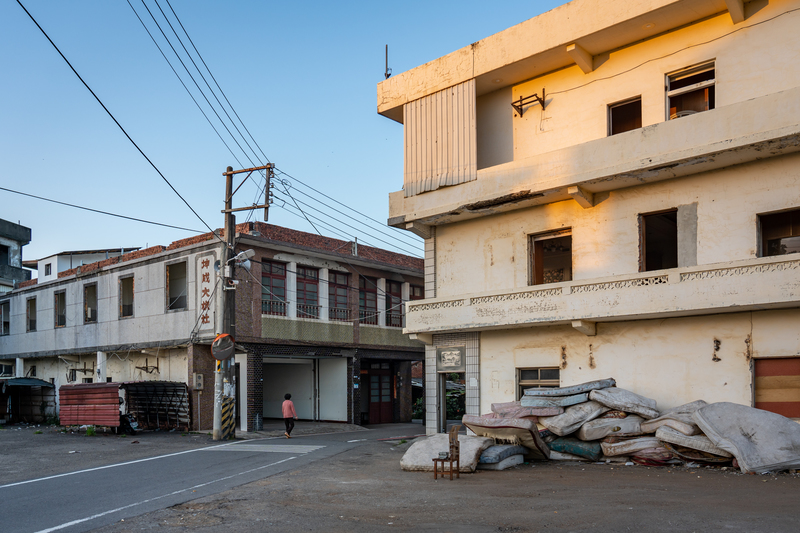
x: 695, y: 442
x: 761, y: 441
x: 419, y: 456
x: 562, y: 456
x: 629, y: 447
x: 627, y: 401
x: 600, y: 428
x: 508, y: 462
x: 678, y: 418
x: 573, y: 417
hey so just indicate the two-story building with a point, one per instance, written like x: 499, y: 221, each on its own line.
x: 317, y: 317
x: 610, y: 190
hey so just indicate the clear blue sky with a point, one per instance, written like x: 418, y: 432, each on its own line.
x: 301, y: 75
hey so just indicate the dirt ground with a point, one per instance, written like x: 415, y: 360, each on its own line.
x: 365, y: 490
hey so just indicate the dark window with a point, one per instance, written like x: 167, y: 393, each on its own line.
x: 780, y: 233
x: 5, y: 318
x: 4, y: 255
x: 551, y: 257
x: 394, y: 304
x: 126, y: 297
x: 537, y: 378
x: 32, y: 371
x: 48, y: 269
x: 338, y: 291
x: 30, y: 314
x: 273, y: 288
x: 368, y: 300
x: 89, y: 303
x: 690, y: 91
x: 7, y: 371
x: 625, y: 116
x: 176, y: 286
x: 60, y: 309
x: 307, y: 292
x: 659, y: 240
x: 416, y: 292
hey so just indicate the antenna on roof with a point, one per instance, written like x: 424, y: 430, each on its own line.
x: 388, y: 70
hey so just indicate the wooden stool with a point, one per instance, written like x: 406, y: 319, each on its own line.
x: 453, y: 456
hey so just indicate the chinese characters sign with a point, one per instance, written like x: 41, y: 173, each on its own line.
x: 206, y: 279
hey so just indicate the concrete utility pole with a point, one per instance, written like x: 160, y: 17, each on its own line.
x: 228, y: 283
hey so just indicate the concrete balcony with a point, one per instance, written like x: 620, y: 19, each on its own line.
x: 738, y: 133
x: 754, y: 284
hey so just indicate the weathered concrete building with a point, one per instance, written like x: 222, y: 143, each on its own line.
x: 316, y: 317
x: 12, y: 238
x: 610, y: 190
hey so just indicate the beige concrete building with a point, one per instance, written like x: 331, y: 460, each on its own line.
x: 610, y: 190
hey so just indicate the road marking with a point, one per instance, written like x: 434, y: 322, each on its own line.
x: 275, y: 448
x: 357, y: 440
x: 114, y: 465
x: 104, y: 513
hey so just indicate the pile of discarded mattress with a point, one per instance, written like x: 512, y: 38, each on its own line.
x: 598, y: 421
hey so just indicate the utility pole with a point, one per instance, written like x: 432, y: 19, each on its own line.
x: 228, y: 282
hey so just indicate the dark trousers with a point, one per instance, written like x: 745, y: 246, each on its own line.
x: 289, y: 424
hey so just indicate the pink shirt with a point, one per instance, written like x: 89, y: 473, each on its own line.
x: 288, y: 409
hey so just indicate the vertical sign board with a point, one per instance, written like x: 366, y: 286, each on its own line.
x: 451, y: 359
x: 206, y: 278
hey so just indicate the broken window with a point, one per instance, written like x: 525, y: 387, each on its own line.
x: 551, y: 257
x: 7, y: 371
x: 659, y: 237
x: 176, y: 286
x: 307, y: 292
x: 690, y: 91
x: 60, y: 308
x: 30, y: 314
x: 89, y: 303
x: 126, y: 297
x: 537, y: 378
x: 338, y: 291
x: 780, y: 233
x: 625, y: 116
x: 394, y: 304
x: 5, y: 318
x: 273, y: 288
x: 368, y: 300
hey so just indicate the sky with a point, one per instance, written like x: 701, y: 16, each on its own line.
x: 301, y: 76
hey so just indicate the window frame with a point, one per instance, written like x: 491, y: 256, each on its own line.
x: 59, y: 296
x: 307, y: 277
x: 48, y: 269
x: 336, y: 311
x: 185, y: 294
x: 643, y: 239
x: 120, y: 281
x: 274, y: 306
x: 762, y: 236
x: 28, y: 322
x: 534, y: 276
x: 86, y: 318
x: 5, y: 318
x: 672, y: 77
x: 539, y: 382
x: 368, y: 314
x: 617, y: 105
x: 394, y: 303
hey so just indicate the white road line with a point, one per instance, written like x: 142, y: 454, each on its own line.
x: 98, y: 515
x: 357, y: 440
x: 274, y: 448
x: 113, y: 466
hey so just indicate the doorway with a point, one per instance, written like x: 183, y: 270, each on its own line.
x: 381, y: 406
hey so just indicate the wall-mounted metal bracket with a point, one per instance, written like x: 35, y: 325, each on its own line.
x: 519, y: 105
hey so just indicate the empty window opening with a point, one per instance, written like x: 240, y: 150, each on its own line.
x: 5, y: 318
x: 72, y: 376
x: 60, y: 307
x: 537, y: 378
x: 30, y: 314
x: 659, y: 240
x: 7, y: 371
x: 368, y: 300
x: 691, y: 91
x: 176, y: 286
x: 4, y: 255
x: 307, y: 292
x: 87, y: 380
x: 780, y: 233
x: 126, y: 297
x: 90, y: 303
x: 625, y: 116
x: 273, y: 288
x: 394, y: 304
x: 551, y: 257
x: 32, y: 371
x: 338, y: 301
x: 48, y: 269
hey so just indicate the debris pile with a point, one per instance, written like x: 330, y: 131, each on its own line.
x: 598, y: 421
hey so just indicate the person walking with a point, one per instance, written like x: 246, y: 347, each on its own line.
x: 289, y: 414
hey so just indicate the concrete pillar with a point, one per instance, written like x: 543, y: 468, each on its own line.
x: 102, y: 369
x: 381, y: 301
x: 291, y: 290
x: 405, y: 294
x: 19, y: 371
x: 322, y: 291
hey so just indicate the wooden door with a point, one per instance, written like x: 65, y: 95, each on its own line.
x: 380, y: 398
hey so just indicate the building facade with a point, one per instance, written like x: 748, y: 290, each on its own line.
x: 12, y: 238
x: 314, y: 315
x: 627, y: 178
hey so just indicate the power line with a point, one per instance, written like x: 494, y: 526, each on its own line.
x: 114, y: 119
x: 99, y: 211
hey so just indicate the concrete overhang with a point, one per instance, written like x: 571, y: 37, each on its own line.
x: 760, y: 128
x: 570, y: 34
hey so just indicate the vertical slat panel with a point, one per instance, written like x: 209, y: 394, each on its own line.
x: 440, y: 140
